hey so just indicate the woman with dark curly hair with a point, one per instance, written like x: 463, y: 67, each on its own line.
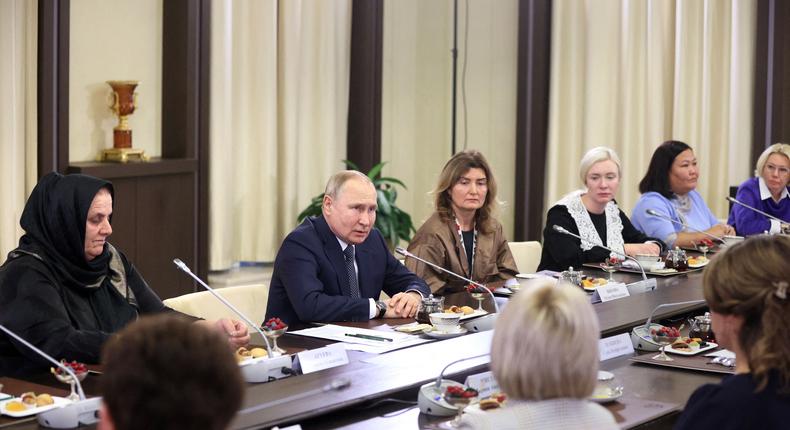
x: 746, y: 288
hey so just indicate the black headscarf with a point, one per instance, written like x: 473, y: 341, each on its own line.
x: 54, y: 222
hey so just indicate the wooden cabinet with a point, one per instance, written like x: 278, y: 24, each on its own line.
x: 155, y: 218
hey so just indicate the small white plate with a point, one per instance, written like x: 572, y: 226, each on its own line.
x: 446, y: 335
x: 605, y: 395
x: 58, y: 402
x: 710, y: 346
x: 697, y: 266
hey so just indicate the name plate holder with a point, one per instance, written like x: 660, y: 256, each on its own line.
x: 313, y: 360
x: 610, y: 291
x: 484, y: 383
x: 615, y: 346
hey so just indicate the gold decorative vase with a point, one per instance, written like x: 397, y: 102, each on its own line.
x: 124, y: 102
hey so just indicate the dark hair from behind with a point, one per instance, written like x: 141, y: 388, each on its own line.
x: 657, y: 177
x: 750, y: 279
x: 164, y: 372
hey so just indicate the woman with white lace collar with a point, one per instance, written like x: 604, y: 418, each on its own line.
x: 669, y: 188
x: 592, y: 213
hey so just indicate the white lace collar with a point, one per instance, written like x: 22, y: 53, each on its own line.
x: 614, y: 226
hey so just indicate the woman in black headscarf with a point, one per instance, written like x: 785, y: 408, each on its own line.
x: 65, y: 288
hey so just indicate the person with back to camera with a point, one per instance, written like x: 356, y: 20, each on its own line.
x: 768, y: 191
x: 164, y: 373
x: 66, y: 289
x: 462, y: 235
x: 544, y: 356
x: 669, y: 188
x: 748, y: 290
x: 593, y: 214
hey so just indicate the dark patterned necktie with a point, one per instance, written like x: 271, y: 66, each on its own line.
x: 352, y: 274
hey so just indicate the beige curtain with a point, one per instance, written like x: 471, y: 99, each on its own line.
x: 18, y: 158
x: 631, y: 74
x: 279, y: 102
x: 417, y: 92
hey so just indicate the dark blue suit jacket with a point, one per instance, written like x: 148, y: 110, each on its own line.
x: 310, y: 282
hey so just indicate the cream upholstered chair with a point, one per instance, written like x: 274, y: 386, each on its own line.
x: 527, y: 255
x: 249, y: 299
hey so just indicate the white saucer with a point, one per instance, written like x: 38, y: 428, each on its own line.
x: 445, y: 335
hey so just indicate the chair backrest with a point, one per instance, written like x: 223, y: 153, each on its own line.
x: 527, y: 255
x: 249, y: 299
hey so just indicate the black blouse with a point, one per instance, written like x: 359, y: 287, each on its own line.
x: 734, y: 404
x: 561, y: 251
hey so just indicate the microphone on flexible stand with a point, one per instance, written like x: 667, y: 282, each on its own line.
x: 430, y: 399
x: 640, y: 335
x: 769, y: 216
x: 479, y: 287
x: 684, y: 225
x: 640, y: 286
x: 261, y: 369
x: 82, y: 411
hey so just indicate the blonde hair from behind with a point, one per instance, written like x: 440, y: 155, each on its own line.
x: 750, y: 279
x: 455, y: 167
x: 776, y: 148
x: 546, y: 343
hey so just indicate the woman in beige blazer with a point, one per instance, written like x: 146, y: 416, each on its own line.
x: 462, y: 235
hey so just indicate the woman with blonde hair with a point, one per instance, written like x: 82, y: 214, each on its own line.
x: 746, y: 288
x: 768, y: 191
x: 544, y: 356
x: 593, y: 214
x: 462, y: 235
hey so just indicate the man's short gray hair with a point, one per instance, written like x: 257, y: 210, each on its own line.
x: 336, y: 182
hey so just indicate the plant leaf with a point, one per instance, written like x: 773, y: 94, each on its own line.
x: 351, y: 165
x: 387, y: 179
x: 374, y: 171
x: 383, y: 201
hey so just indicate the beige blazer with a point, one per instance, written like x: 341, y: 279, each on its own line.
x: 438, y: 242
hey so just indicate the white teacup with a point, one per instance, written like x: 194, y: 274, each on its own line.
x: 648, y: 261
x: 445, y: 322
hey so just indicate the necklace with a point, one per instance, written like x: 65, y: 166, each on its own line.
x: 463, y: 246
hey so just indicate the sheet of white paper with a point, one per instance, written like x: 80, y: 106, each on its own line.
x: 350, y: 336
x: 721, y: 353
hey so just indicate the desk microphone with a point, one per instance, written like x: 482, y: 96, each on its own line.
x: 640, y: 335
x: 279, y: 367
x: 640, y: 286
x: 682, y: 224
x: 730, y: 199
x: 430, y: 399
x: 82, y: 411
x: 479, y: 287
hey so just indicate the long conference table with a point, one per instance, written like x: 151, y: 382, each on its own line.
x: 383, y: 388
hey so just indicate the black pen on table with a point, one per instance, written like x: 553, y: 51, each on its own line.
x: 369, y: 337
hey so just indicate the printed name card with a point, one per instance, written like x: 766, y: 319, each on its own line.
x: 484, y: 383
x: 323, y: 358
x: 615, y: 346
x: 612, y: 291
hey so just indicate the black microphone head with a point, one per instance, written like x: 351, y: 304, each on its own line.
x: 559, y: 229
x: 400, y: 250
x: 651, y: 212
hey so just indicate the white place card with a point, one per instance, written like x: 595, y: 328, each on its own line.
x: 484, y: 383
x: 612, y: 291
x: 615, y: 346
x: 323, y: 358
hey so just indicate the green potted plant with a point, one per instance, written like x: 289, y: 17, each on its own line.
x: 393, y: 223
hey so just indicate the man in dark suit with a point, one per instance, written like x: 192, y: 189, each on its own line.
x: 334, y: 267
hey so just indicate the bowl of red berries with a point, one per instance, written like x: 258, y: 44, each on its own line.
x: 274, y: 328
x: 460, y: 397
x: 664, y: 336
x: 79, y: 369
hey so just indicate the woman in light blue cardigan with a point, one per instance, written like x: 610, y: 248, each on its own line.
x: 668, y: 188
